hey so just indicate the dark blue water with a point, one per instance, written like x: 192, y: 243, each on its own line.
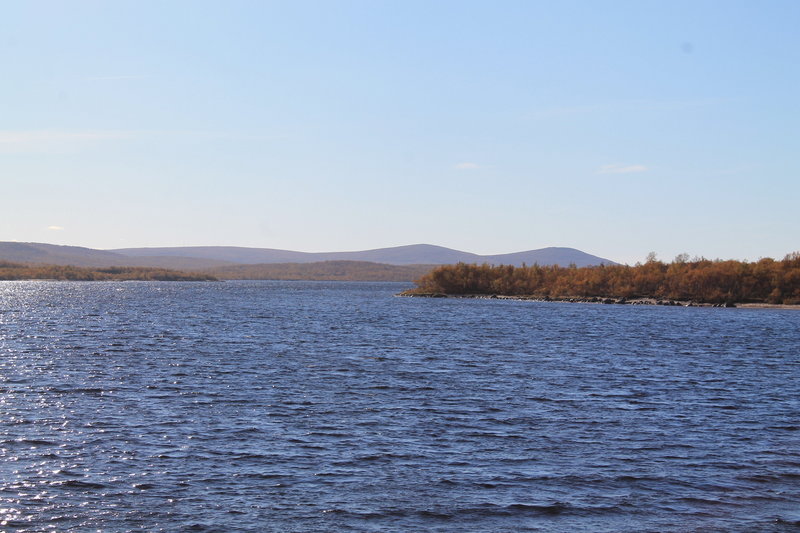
x: 281, y: 406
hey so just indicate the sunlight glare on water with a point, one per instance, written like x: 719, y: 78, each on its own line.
x: 303, y: 406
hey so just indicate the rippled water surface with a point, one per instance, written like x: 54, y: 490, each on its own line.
x: 291, y: 406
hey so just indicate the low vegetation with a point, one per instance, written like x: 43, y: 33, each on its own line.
x: 699, y: 280
x: 323, y: 271
x: 18, y: 271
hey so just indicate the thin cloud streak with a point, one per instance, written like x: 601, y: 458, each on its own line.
x: 113, y: 78
x: 58, y: 141
x: 55, y: 228
x: 55, y: 141
x: 47, y: 136
x: 621, y: 169
x: 467, y: 166
x: 626, y: 106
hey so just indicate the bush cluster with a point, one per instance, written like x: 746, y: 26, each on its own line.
x: 699, y: 280
x: 17, y: 271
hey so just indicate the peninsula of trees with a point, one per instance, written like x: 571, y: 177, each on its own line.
x: 701, y: 281
x: 18, y: 271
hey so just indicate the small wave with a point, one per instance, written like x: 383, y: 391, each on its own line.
x: 434, y: 514
x: 523, y: 508
x: 260, y: 475
x: 67, y: 473
x: 329, y: 434
x: 246, y: 456
x: 491, y: 433
x: 199, y: 527
x: 16, y: 524
x: 704, y: 501
x: 771, y: 478
x: 76, y: 390
x: 384, y: 456
x: 486, y: 510
x: 514, y: 509
x: 246, y: 431
x: 793, y: 521
x: 630, y: 477
x: 35, y: 442
x: 79, y: 484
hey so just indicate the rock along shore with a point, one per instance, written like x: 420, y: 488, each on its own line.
x: 587, y: 300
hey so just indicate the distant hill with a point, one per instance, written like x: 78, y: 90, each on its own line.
x: 252, y: 263
x: 400, y: 255
x: 548, y: 256
x: 52, y: 254
x: 414, y: 254
x: 33, y: 252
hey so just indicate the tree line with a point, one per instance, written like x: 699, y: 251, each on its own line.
x: 323, y: 270
x: 698, y: 280
x: 19, y: 271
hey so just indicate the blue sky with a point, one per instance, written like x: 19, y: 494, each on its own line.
x: 618, y: 128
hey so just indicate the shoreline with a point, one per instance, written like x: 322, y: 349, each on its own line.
x: 63, y: 280
x: 605, y: 301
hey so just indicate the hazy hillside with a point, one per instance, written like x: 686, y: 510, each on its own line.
x: 52, y: 254
x: 548, y: 256
x: 228, y: 254
x: 400, y: 255
x: 230, y: 261
x: 32, y: 252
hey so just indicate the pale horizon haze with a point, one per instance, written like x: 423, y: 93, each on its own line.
x: 618, y: 128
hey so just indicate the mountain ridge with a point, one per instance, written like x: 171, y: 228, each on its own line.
x: 205, y: 257
x: 427, y: 254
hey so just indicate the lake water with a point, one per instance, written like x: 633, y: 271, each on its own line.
x: 303, y: 406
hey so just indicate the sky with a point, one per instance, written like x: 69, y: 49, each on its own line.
x: 618, y: 128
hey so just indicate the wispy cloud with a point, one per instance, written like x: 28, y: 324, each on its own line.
x: 114, y: 78
x: 55, y: 228
x: 54, y: 140
x: 66, y: 141
x: 467, y: 166
x: 621, y: 169
x: 565, y: 111
x: 37, y: 136
x: 625, y: 106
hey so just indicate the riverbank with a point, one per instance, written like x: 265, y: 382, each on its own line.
x: 712, y: 283
x: 24, y: 272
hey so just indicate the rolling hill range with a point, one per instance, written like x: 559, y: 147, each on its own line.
x: 415, y: 254
x: 52, y: 254
x: 399, y: 263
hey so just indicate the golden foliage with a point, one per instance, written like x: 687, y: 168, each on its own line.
x: 701, y: 281
x: 323, y: 271
x: 17, y: 271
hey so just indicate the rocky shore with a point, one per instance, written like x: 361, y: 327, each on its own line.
x: 595, y: 300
